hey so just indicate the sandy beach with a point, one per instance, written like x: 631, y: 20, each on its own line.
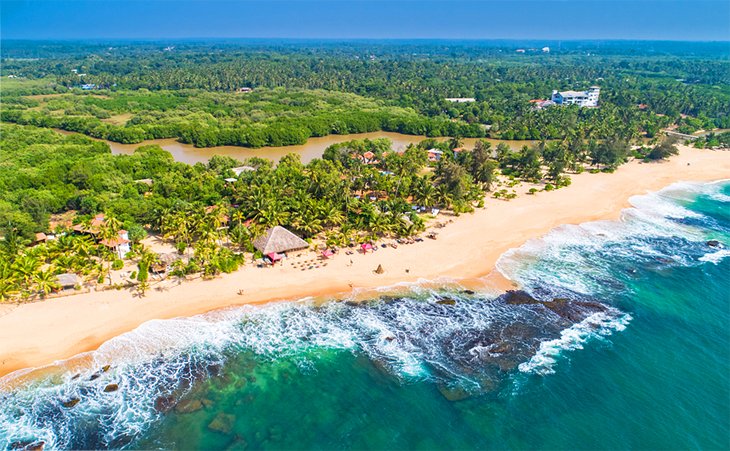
x: 37, y: 334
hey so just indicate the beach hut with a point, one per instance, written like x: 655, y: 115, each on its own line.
x: 94, y: 226
x: 165, y: 261
x: 68, y: 281
x: 40, y: 237
x: 278, y: 240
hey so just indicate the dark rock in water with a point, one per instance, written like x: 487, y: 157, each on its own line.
x: 454, y: 394
x: 574, y: 311
x: 446, y: 301
x: 120, y: 441
x: 71, y: 402
x: 164, y: 404
x: 105, y: 368
x: 468, y: 291
x: 592, y: 305
x: 76, y: 376
x: 214, y: 369
x: 500, y: 347
x: 188, y: 406
x: 222, y: 422
x: 237, y: 444
x: 28, y: 445
x: 110, y: 388
x: 714, y: 243
x: 518, y: 297
x: 94, y: 376
x: 206, y: 402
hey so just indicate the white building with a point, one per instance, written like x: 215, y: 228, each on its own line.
x: 580, y: 98
x: 461, y: 99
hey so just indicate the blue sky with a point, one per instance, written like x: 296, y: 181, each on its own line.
x: 453, y: 19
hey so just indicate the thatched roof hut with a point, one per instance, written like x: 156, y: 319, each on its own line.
x: 277, y: 240
x: 68, y: 280
x: 164, y: 261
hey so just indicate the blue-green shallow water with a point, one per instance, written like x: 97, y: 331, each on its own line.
x: 647, y: 367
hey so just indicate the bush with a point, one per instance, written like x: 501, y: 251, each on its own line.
x: 549, y: 187
x: 117, y: 265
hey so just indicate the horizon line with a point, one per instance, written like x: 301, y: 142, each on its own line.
x: 349, y: 39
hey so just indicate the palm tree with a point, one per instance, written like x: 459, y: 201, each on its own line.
x: 81, y: 245
x: 45, y: 282
x: 8, y: 290
x: 26, y: 266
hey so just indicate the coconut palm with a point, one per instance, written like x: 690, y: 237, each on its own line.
x: 26, y: 266
x: 45, y: 282
x: 8, y: 290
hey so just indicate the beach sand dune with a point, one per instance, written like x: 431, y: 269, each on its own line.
x: 36, y: 334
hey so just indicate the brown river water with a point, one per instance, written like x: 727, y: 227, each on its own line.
x: 314, y: 147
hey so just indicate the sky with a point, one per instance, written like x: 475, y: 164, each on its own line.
x: 694, y: 20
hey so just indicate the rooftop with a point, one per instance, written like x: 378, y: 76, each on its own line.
x: 277, y: 240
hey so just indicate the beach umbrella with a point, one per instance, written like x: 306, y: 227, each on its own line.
x: 274, y: 257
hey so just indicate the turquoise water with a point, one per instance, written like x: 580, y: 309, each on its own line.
x: 634, y: 353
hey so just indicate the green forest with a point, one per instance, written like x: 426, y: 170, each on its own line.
x: 190, y: 92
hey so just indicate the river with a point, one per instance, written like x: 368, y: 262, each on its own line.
x: 314, y: 147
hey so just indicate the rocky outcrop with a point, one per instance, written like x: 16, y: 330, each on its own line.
x: 223, y: 423
x: 71, y: 402
x: 164, y: 404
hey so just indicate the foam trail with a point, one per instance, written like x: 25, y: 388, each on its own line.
x: 715, y: 257
x: 595, y: 326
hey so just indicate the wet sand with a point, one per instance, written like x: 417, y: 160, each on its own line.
x: 466, y: 251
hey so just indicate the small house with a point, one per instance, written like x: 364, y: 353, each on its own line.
x: 120, y: 243
x: 68, y: 281
x: 434, y: 154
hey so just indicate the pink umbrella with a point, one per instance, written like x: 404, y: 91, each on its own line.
x: 274, y: 257
x: 366, y: 247
x: 327, y: 253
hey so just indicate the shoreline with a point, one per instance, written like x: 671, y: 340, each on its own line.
x: 466, y: 251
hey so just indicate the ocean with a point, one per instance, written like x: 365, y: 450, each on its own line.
x: 619, y: 339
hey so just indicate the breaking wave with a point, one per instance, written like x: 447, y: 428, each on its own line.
x: 467, y: 343
x: 659, y: 231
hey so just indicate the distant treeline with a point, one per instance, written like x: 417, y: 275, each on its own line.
x: 638, y: 83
